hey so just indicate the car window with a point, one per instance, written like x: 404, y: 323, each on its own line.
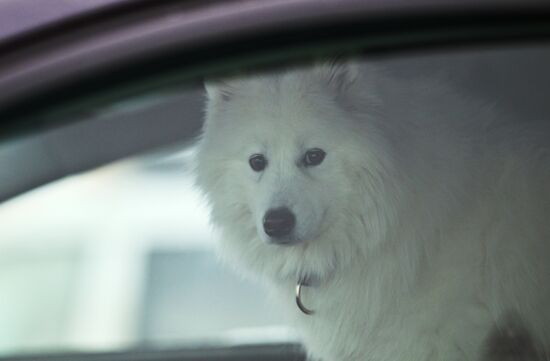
x: 121, y: 256
x: 133, y: 253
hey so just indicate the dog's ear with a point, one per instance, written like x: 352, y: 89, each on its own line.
x: 219, y: 90
x: 340, y: 74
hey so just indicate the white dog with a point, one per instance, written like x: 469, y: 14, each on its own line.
x: 415, y: 219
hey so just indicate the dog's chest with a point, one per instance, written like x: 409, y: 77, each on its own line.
x: 362, y: 321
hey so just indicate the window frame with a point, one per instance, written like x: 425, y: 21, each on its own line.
x: 51, y: 75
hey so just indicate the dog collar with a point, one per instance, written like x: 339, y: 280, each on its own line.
x: 304, y: 282
x: 299, y: 303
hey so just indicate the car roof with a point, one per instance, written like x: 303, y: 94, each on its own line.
x: 21, y: 16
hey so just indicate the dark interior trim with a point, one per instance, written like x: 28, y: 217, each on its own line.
x: 268, y: 352
x: 84, y: 63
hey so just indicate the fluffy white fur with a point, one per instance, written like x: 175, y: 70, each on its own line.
x: 425, y: 225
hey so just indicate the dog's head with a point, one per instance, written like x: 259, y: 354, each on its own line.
x: 292, y: 173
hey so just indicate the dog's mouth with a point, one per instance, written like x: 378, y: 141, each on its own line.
x: 285, y: 241
x: 290, y: 240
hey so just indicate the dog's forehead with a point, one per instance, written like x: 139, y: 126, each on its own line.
x: 291, y: 110
x: 287, y: 101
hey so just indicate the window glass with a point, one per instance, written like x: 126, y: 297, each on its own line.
x: 118, y: 256
x: 124, y: 255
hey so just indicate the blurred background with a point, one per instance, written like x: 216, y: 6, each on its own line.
x: 118, y: 257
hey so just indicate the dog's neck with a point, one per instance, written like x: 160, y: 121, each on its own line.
x: 310, y: 280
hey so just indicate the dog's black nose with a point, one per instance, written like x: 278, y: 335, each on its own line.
x: 279, y: 222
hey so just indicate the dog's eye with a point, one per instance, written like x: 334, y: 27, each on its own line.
x: 257, y: 162
x: 314, y: 157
